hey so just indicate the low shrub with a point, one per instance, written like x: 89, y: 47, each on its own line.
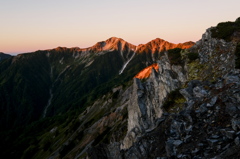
x: 192, y: 56
x: 174, y: 56
x: 173, y: 101
x: 225, y: 30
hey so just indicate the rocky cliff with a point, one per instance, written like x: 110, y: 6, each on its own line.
x: 147, y: 98
x: 188, y: 108
x: 207, y: 127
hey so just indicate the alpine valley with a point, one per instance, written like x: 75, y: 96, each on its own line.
x: 116, y: 100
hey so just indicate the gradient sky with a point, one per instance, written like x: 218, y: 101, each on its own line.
x: 28, y: 25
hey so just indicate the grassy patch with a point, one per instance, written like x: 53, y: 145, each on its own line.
x: 174, y: 101
x: 225, y: 30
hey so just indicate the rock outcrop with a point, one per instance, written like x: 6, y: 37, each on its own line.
x: 206, y: 125
x: 147, y: 98
x: 216, y: 58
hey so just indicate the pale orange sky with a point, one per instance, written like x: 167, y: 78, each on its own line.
x: 27, y: 25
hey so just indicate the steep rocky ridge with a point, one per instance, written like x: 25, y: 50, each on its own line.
x: 202, y: 123
x: 147, y: 99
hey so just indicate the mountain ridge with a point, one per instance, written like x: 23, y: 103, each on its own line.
x: 95, y: 70
x: 119, y: 44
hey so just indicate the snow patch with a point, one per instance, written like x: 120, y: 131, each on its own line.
x: 49, y: 103
x: 48, y: 54
x: 61, y: 61
x: 50, y: 91
x: 125, y: 65
x: 76, y: 55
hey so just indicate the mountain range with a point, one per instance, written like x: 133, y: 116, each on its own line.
x: 118, y: 100
x: 45, y: 82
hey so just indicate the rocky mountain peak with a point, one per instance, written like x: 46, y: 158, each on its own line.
x: 111, y: 44
x: 160, y: 45
x: 114, y: 40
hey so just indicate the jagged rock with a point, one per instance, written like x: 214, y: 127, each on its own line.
x: 203, y: 108
x: 232, y: 79
x: 229, y: 152
x: 236, y: 124
x: 231, y: 109
x: 177, y: 143
x: 147, y: 98
x: 188, y: 92
x: 212, y: 102
x: 199, y: 92
x: 215, y: 136
x: 170, y: 148
x: 212, y: 142
x: 228, y: 133
x: 237, y: 141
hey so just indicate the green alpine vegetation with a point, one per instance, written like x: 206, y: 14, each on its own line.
x: 225, y: 30
x: 174, y: 56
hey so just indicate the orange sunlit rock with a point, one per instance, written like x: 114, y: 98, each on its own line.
x: 112, y: 43
x: 145, y: 73
x: 155, y: 46
x: 160, y: 45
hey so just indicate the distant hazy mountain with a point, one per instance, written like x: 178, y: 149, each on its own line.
x: 4, y: 56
